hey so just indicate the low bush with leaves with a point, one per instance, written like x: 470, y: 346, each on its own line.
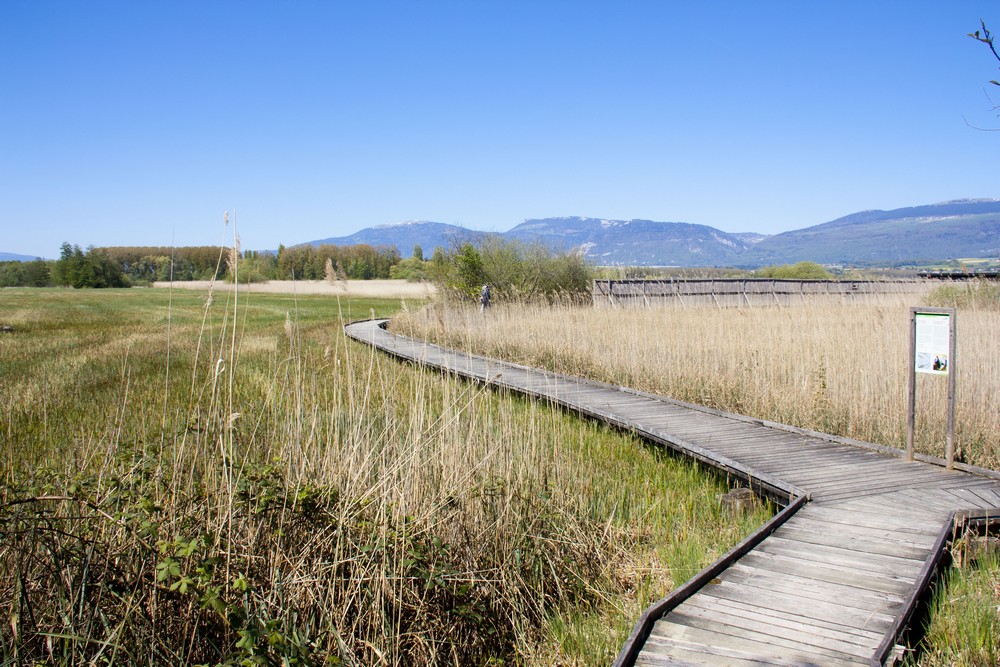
x: 798, y: 271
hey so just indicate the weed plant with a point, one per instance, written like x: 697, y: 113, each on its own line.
x: 185, y: 481
x: 836, y: 367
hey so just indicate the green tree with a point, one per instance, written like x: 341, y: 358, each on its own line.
x: 25, y: 274
x: 37, y: 273
x: 95, y: 268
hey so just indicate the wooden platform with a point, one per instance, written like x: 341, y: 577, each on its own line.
x: 832, y: 580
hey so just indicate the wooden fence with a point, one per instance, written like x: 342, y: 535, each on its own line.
x: 739, y: 291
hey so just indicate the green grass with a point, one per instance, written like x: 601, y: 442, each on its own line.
x: 186, y: 482
x: 964, y: 625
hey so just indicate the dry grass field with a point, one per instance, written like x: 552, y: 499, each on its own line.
x: 371, y: 289
x: 831, y: 366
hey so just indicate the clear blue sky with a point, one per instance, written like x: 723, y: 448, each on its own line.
x: 140, y: 123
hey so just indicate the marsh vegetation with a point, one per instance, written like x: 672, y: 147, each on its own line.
x: 834, y: 366
x: 199, y: 478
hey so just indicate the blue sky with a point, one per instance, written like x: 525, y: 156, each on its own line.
x: 140, y: 123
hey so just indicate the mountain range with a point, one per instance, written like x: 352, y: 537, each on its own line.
x: 949, y: 230
x: 14, y: 257
x: 957, y: 229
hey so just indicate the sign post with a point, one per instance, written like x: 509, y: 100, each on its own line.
x: 932, y: 351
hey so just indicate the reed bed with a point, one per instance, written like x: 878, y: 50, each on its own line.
x: 225, y: 479
x: 837, y: 367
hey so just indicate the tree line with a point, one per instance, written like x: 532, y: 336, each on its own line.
x: 515, y: 271
x: 128, y: 266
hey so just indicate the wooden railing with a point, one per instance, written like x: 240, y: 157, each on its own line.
x: 641, y: 293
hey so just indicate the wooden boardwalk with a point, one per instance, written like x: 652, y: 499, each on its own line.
x: 833, y: 579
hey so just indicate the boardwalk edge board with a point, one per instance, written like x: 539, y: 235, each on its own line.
x: 836, y: 500
x: 819, y: 435
x: 658, y: 609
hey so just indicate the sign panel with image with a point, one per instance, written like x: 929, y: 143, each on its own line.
x: 932, y: 343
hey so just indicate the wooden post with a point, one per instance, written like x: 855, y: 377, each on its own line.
x: 949, y: 369
x: 950, y: 446
x: 911, y: 410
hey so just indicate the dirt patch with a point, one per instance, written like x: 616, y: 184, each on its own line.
x: 390, y: 289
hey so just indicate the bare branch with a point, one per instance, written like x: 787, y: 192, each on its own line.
x: 986, y: 37
x: 982, y: 129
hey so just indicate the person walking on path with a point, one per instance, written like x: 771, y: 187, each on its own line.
x: 484, y: 298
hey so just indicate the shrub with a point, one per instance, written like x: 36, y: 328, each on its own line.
x: 515, y: 271
x: 799, y: 271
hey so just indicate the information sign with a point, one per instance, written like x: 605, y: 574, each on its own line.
x: 933, y: 342
x: 932, y: 350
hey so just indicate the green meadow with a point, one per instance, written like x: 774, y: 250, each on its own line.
x: 225, y: 479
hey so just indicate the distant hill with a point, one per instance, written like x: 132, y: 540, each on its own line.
x: 636, y: 242
x: 405, y: 235
x: 14, y: 257
x: 949, y: 230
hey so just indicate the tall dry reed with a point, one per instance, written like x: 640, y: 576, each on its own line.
x: 832, y: 366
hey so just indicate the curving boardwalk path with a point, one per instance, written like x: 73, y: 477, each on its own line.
x: 832, y: 580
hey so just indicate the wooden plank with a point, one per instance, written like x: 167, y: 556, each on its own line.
x: 900, y: 520
x: 876, y: 506
x: 989, y: 495
x: 967, y: 498
x: 911, y: 519
x: 840, y: 556
x: 925, y: 498
x: 844, y: 474
x: 829, y: 611
x: 810, y: 588
x: 763, y: 443
x: 781, y: 619
x: 661, y: 651
x: 728, y: 432
x: 883, y: 582
x: 797, y: 635
x: 858, y: 494
x: 762, y: 647
x: 781, y: 457
x: 657, y: 660
x: 795, y: 467
x: 880, y: 543
x: 803, y: 461
x: 885, y: 483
